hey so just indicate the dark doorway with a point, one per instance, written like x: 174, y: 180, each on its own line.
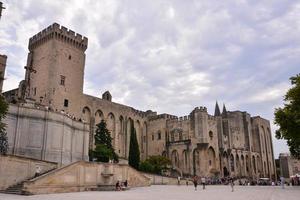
x: 226, y: 172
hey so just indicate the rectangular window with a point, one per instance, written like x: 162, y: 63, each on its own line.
x: 34, y: 91
x: 152, y: 137
x: 62, y: 80
x: 66, y: 103
x: 159, y: 136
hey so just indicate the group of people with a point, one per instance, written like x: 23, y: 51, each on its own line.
x: 203, y: 182
x: 121, y: 185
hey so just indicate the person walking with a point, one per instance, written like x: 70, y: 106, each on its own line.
x: 195, y: 181
x: 203, y: 181
x: 178, y: 180
x: 282, y: 182
x: 232, y: 184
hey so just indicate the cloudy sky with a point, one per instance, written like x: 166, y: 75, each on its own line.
x: 171, y: 56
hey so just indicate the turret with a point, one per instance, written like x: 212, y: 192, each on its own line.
x: 217, y: 109
x: 224, y: 112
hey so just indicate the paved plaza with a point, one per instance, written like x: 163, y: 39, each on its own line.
x: 175, y: 193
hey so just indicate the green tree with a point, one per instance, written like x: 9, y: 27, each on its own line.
x: 3, y: 135
x: 104, y: 150
x: 288, y: 117
x: 155, y: 164
x: 134, y: 151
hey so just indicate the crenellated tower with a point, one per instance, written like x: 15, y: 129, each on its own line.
x: 55, y: 68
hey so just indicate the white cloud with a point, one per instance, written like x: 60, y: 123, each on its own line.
x: 170, y: 56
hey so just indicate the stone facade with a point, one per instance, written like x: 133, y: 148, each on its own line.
x: 45, y: 135
x: 223, y: 144
x: 289, y: 166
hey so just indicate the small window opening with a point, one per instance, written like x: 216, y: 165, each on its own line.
x: 66, y: 103
x: 62, y: 80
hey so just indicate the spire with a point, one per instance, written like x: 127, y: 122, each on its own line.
x: 224, y: 112
x: 217, y: 109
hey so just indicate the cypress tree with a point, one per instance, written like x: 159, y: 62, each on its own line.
x: 134, y: 151
x: 104, y: 150
x: 3, y: 135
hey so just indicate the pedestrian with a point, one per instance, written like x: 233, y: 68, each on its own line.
x: 187, y: 181
x: 118, y: 187
x: 178, y: 180
x: 203, y: 181
x: 126, y: 183
x: 232, y: 184
x: 282, y: 182
x: 195, y: 181
x: 37, y: 171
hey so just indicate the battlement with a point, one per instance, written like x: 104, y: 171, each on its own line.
x: 138, y: 112
x: 55, y: 31
x: 180, y: 119
x: 200, y: 109
x: 162, y: 116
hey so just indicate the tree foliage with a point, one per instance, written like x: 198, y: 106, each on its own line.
x: 155, y: 164
x: 104, y: 150
x: 288, y: 118
x: 134, y: 151
x: 3, y: 135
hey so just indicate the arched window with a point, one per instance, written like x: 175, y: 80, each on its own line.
x: 158, y: 135
x: 210, y: 135
x: 232, y: 163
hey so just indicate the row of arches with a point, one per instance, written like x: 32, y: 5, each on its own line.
x: 119, y: 127
x: 243, y: 165
x: 205, y: 162
x: 195, y: 162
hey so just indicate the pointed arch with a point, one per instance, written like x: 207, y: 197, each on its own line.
x: 111, y: 126
x: 98, y: 116
x: 185, y: 160
x: 211, y: 158
x: 121, y: 137
x: 175, y: 158
x: 86, y: 114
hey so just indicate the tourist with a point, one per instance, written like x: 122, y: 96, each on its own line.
x: 118, y: 187
x: 282, y: 182
x: 37, y: 171
x: 232, y: 184
x: 195, y: 181
x: 203, y: 181
x: 187, y: 182
x: 178, y: 180
x: 126, y: 183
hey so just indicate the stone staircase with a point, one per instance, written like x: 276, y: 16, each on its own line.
x: 18, y: 188
x: 15, y: 189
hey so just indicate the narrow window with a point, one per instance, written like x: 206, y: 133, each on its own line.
x: 152, y: 137
x: 159, y: 136
x: 34, y: 91
x: 62, y: 80
x: 211, y: 135
x: 70, y: 57
x: 66, y: 103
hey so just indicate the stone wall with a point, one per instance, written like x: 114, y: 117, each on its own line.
x: 82, y: 176
x: 162, y: 180
x: 41, y: 134
x: 14, y: 169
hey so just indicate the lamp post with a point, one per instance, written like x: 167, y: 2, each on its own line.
x: 1, y: 7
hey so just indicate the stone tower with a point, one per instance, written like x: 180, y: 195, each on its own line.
x: 2, y: 70
x: 55, y: 69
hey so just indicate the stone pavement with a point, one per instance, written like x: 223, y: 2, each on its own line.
x: 175, y: 193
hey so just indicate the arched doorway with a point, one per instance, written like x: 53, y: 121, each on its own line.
x: 196, y: 162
